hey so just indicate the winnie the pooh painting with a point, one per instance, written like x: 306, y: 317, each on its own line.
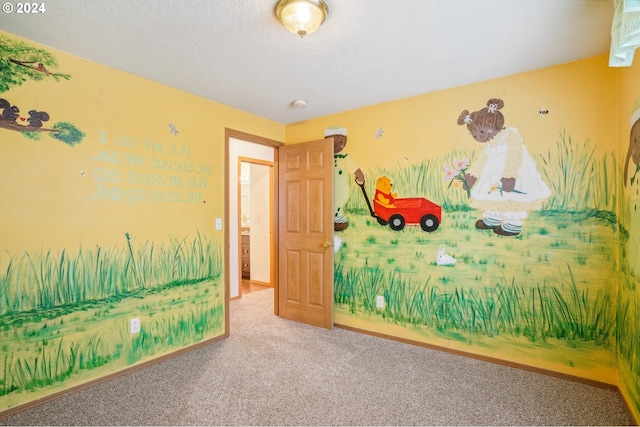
x: 383, y: 193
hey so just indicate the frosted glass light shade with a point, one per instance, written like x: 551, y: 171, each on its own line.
x: 302, y: 17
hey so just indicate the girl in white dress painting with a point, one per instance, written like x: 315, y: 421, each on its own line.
x: 504, y: 181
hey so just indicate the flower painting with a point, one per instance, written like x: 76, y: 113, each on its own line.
x: 455, y: 174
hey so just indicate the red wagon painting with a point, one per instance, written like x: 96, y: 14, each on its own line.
x: 413, y: 210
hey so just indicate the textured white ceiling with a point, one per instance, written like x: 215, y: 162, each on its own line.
x: 367, y: 51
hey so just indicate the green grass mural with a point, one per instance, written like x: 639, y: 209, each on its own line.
x: 628, y: 331
x: 580, y: 179
x: 555, y: 282
x: 535, y: 312
x: 64, y: 314
x: 46, y: 280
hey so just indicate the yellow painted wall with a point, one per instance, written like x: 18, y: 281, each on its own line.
x: 135, y: 114
x: 52, y: 199
x: 418, y: 126
x: 418, y: 134
x: 66, y: 208
x: 629, y: 301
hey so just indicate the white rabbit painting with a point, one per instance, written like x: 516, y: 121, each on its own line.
x: 444, y: 259
x: 337, y: 243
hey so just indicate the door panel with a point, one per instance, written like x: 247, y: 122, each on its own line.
x: 306, y: 232
x: 293, y: 276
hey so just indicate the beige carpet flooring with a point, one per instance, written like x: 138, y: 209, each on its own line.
x: 271, y: 371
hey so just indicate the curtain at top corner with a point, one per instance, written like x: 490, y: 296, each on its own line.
x: 625, y: 32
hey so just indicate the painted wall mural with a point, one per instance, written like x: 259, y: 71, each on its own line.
x: 343, y: 167
x: 19, y: 63
x: 389, y: 209
x: 124, y: 172
x: 115, y: 223
x: 628, y: 326
x: 109, y: 296
x: 503, y: 182
x: 630, y: 180
x: 539, y: 294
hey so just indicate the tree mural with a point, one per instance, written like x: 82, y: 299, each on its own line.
x: 20, y: 62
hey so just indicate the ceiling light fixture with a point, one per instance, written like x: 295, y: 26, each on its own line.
x: 302, y: 17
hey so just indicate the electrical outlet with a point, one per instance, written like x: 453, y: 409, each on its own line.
x: 380, y: 301
x: 134, y: 325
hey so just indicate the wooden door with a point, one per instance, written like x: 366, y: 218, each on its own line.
x: 305, y: 186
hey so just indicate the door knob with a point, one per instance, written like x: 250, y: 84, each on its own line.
x: 327, y: 244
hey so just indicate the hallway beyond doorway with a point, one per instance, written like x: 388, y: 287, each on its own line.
x: 250, y: 286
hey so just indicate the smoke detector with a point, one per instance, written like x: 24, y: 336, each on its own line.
x: 299, y: 103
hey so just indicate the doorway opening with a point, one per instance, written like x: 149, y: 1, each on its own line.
x: 301, y: 224
x: 255, y: 199
x: 243, y: 147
